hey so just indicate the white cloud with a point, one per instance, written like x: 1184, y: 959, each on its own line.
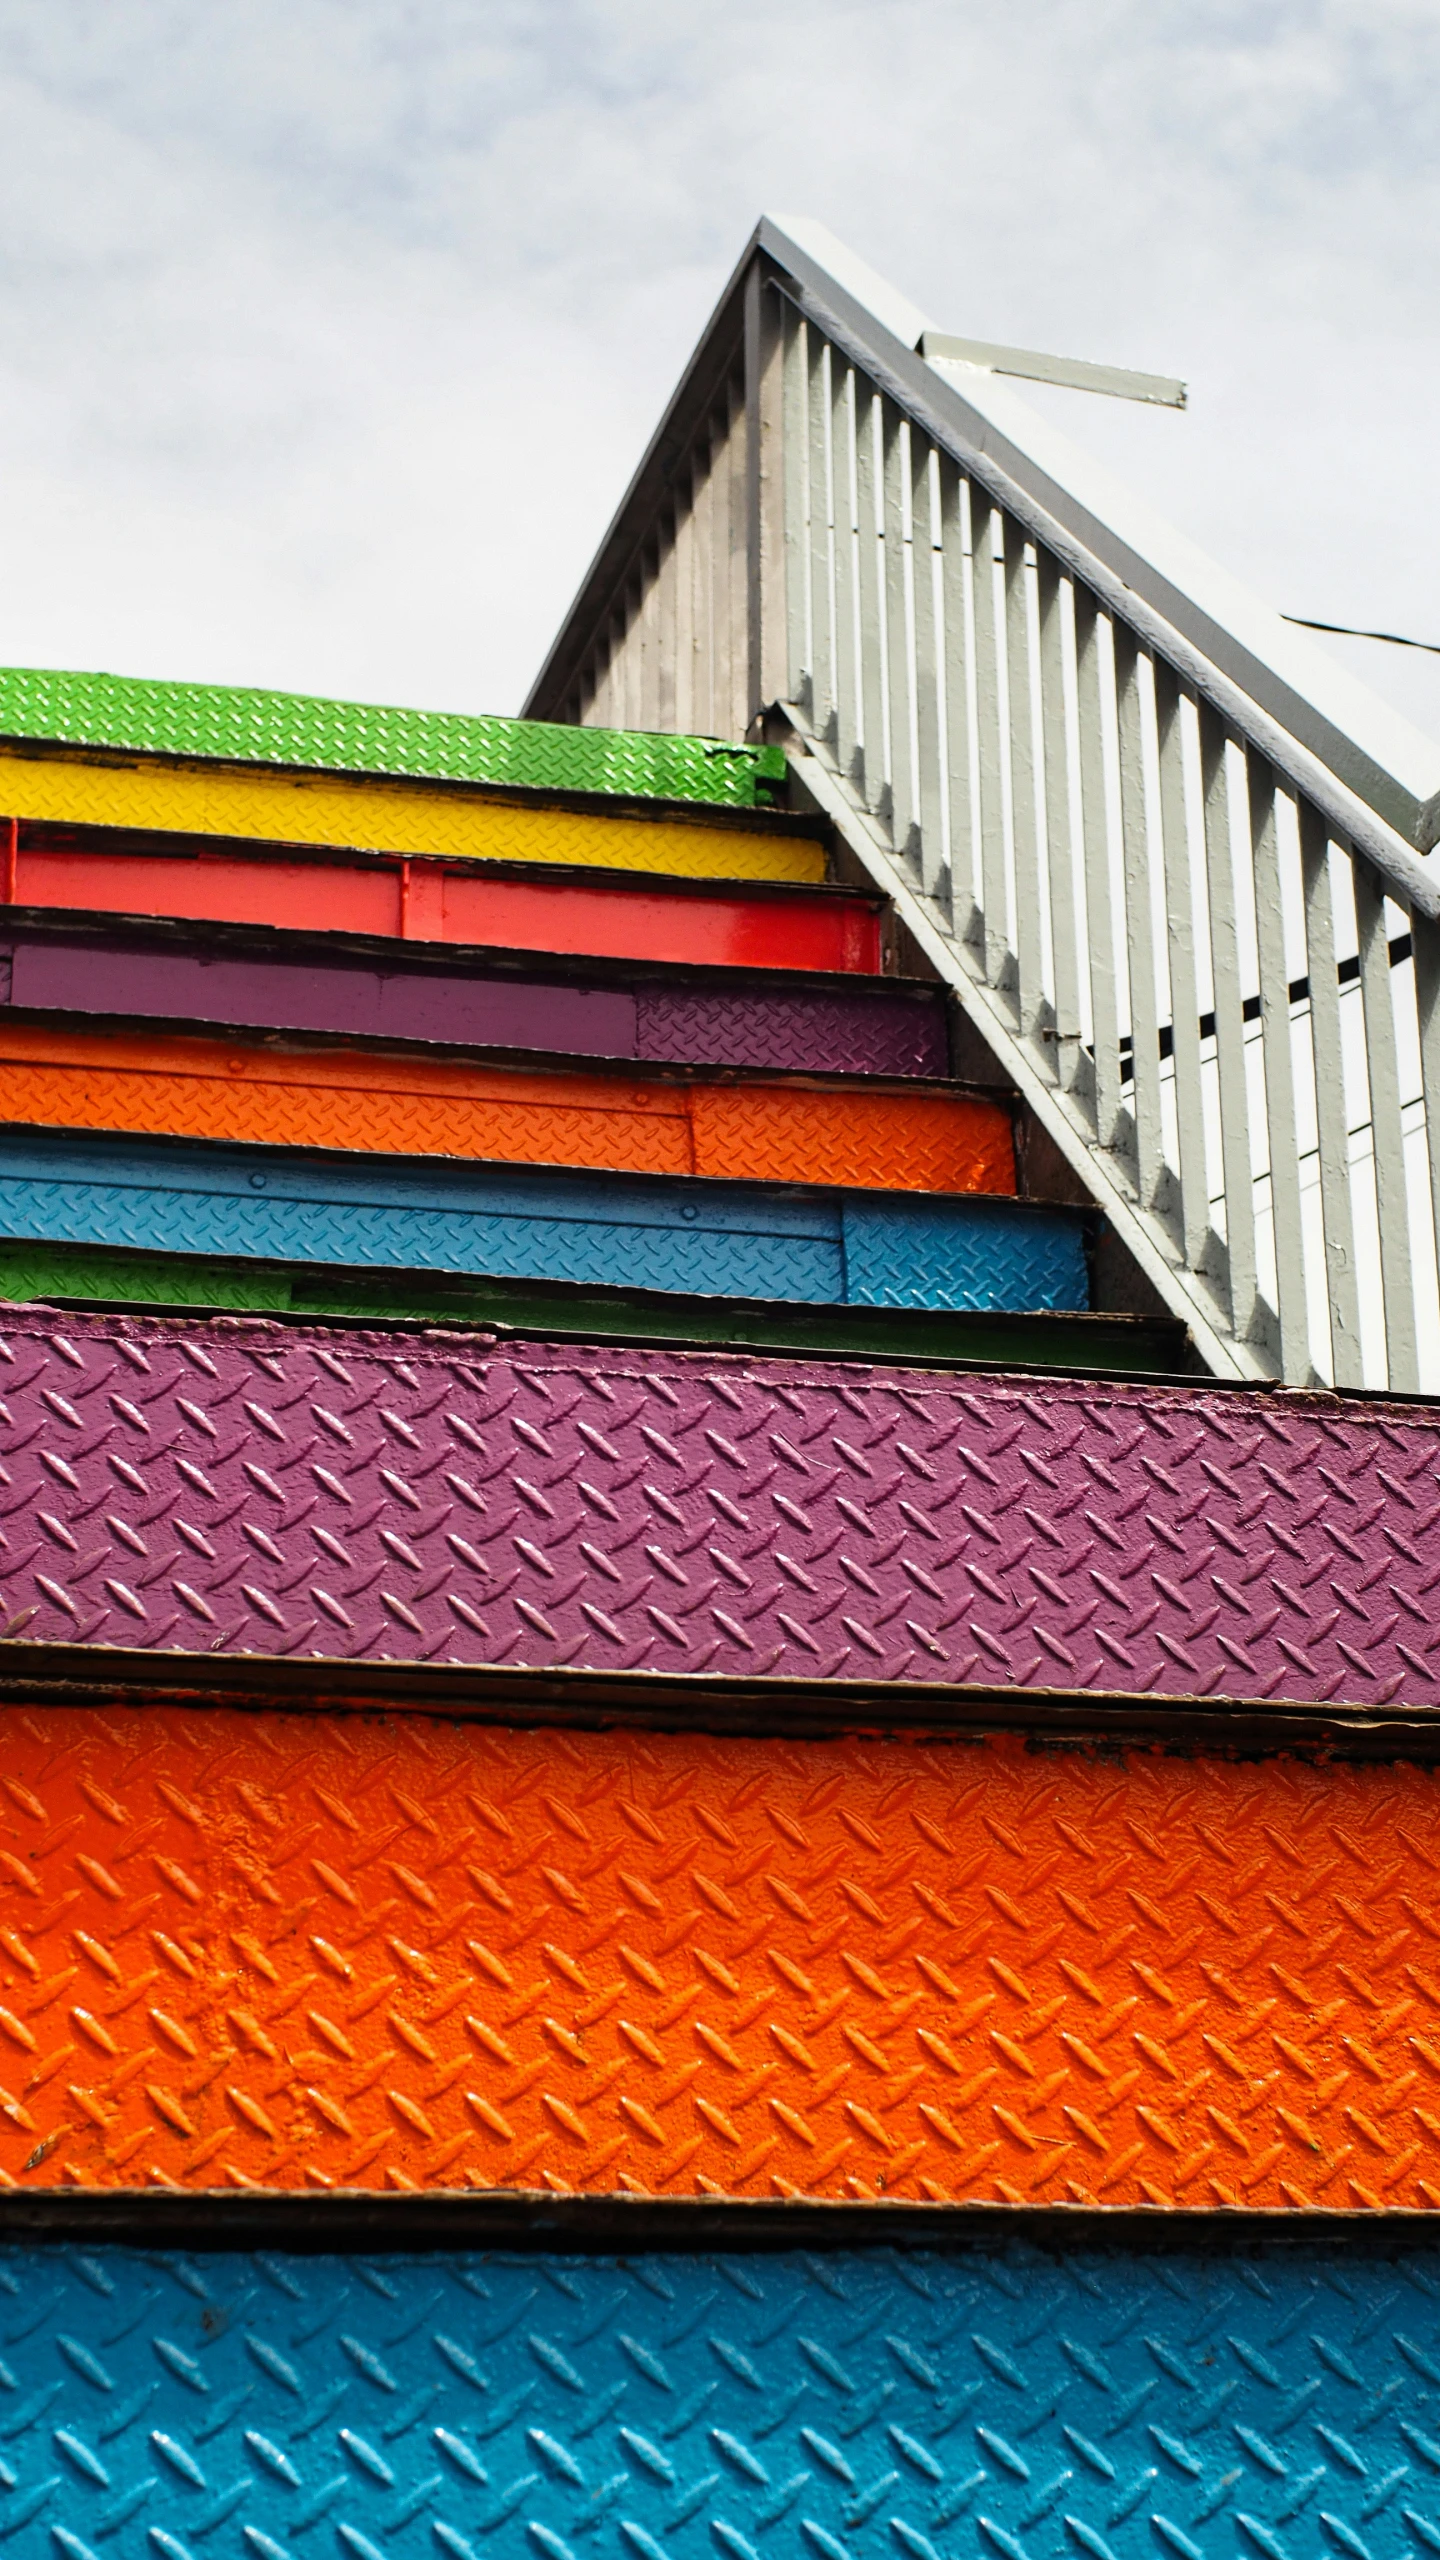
x: 330, y: 330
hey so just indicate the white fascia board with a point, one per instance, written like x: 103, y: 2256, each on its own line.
x: 1388, y: 764
x: 894, y: 310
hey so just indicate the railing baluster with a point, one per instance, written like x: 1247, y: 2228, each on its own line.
x: 822, y: 644
x: 1236, y: 1150
x: 928, y: 676
x: 685, y: 721
x: 1426, y: 941
x: 842, y: 454
x: 1139, y: 926
x: 703, y: 681
x: 985, y: 526
x: 1067, y: 1029
x: 897, y: 628
x: 626, y: 710
x: 722, y: 655
x: 667, y: 590
x: 872, y: 642
x: 1332, y: 1118
x: 964, y: 886
x: 1392, y: 1204
x: 1024, y: 802
x: 793, y: 363
x: 1099, y: 903
x: 646, y: 669
x: 1184, y: 989
x: 1277, y: 1043
x: 737, y: 580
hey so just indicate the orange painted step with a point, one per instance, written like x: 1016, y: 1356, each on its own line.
x: 300, y: 1950
x: 885, y: 1140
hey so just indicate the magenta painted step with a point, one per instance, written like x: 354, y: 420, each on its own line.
x: 246, y: 1487
x: 666, y: 1017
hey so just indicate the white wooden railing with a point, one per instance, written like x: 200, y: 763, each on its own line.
x: 1182, y: 911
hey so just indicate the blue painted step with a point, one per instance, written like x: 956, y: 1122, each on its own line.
x: 754, y: 1240
x: 1275, y: 2403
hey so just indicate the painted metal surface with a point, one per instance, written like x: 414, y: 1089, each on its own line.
x: 299, y: 1950
x: 242, y: 724
x: 392, y: 817
x: 1001, y: 2400
x: 884, y: 1030
x: 431, y: 902
x: 609, y: 1230
x: 375, y: 1102
x: 691, y: 1512
x: 938, y: 1339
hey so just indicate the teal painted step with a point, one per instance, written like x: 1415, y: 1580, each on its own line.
x: 746, y: 1240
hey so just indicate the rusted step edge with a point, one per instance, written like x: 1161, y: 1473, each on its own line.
x: 35, y: 1674
x: 356, y: 2219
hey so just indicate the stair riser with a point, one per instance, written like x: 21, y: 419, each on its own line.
x: 611, y: 918
x: 410, y: 1950
x: 674, y: 1021
x: 388, y: 817
x: 685, y: 1512
x: 1122, y: 2399
x: 66, y: 1075
x: 717, y: 1239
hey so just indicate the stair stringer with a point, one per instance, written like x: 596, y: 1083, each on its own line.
x: 1100, y: 1169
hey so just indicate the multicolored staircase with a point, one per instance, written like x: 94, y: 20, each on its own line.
x: 698, y: 1854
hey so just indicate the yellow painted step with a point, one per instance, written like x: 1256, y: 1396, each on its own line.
x: 386, y: 817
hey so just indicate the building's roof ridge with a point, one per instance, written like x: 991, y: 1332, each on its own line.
x: 248, y: 724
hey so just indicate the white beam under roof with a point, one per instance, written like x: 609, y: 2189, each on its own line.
x: 1068, y: 373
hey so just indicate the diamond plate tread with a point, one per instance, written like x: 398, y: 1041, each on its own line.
x: 241, y: 724
x: 936, y: 1339
x: 834, y: 1035
x: 890, y: 1032
x: 65, y: 1077
x: 289, y: 1950
x: 691, y: 1512
x: 713, y: 1238
x: 390, y: 817
x: 1009, y: 2403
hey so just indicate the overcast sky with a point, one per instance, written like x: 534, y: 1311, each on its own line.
x: 330, y: 330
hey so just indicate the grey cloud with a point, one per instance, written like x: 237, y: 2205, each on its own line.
x: 331, y: 329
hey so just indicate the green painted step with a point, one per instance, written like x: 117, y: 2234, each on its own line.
x: 1100, y: 1344
x: 241, y: 725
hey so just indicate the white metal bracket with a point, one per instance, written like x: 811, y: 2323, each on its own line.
x: 1072, y: 373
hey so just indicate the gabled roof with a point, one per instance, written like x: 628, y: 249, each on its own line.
x: 237, y: 724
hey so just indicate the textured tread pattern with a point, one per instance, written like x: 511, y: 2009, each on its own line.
x: 1001, y: 2401
x: 829, y: 1034
x: 292, y: 1950
x: 240, y: 724
x: 899, y: 1032
x: 690, y: 1512
x: 710, y: 1239
x: 390, y: 817
x: 349, y: 1099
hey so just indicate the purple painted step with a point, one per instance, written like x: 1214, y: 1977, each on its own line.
x: 238, y: 1486
x: 671, y: 1018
